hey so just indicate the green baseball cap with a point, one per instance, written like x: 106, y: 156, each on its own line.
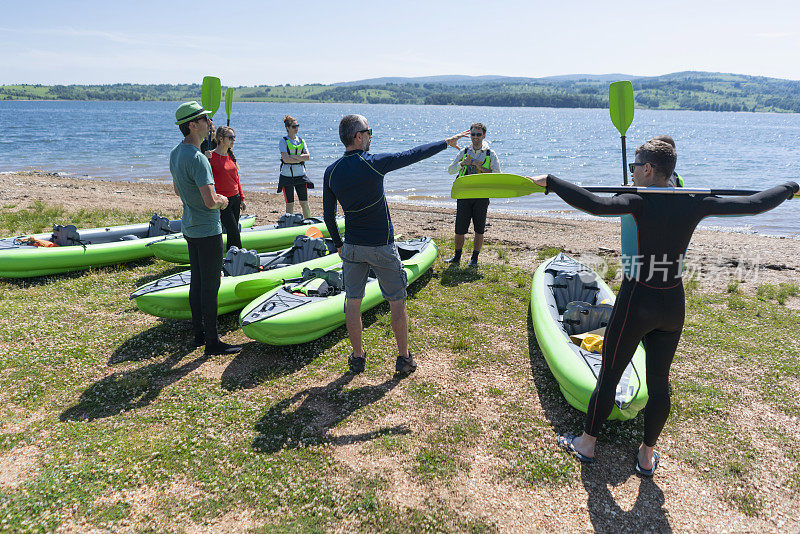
x: 189, y: 111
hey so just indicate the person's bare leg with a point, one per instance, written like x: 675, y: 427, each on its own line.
x: 305, y: 208
x: 459, y: 244
x: 399, y: 325
x: 478, y: 244
x: 584, y: 444
x: 646, y: 456
x: 354, y: 325
x: 290, y: 207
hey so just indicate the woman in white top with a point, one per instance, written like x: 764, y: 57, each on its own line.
x: 294, y: 154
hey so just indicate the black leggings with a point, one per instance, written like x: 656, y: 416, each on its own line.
x: 205, y: 261
x: 230, y: 220
x: 288, y: 193
x: 653, y: 316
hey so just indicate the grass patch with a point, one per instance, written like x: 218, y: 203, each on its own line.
x: 122, y: 407
x: 778, y: 292
x: 547, y: 252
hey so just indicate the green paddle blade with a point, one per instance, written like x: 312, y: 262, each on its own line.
x: 212, y: 94
x: 228, y: 102
x: 491, y: 185
x: 250, y: 289
x: 620, y: 104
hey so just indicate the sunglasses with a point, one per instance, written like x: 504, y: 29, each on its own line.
x: 478, y: 134
x: 230, y: 137
x: 368, y: 130
x: 632, y: 166
x: 294, y: 126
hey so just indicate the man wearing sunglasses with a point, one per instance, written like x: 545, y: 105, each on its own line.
x: 675, y: 179
x: 650, y: 304
x: 476, y: 158
x: 356, y: 182
x: 193, y: 181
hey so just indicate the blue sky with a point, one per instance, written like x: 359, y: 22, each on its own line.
x: 268, y: 42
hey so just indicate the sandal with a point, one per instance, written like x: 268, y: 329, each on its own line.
x: 646, y: 472
x: 565, y: 442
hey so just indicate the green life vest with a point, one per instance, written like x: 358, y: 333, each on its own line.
x: 678, y: 180
x: 295, y: 150
x: 487, y: 163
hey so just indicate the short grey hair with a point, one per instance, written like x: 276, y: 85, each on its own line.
x: 349, y: 127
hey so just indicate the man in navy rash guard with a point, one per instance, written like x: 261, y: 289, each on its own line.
x: 356, y: 181
x: 650, y: 304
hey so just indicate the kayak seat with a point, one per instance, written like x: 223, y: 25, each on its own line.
x: 574, y: 286
x: 158, y: 226
x: 308, y: 248
x: 288, y: 220
x: 408, y: 249
x: 581, y: 317
x: 318, y: 283
x: 240, y: 261
x: 64, y: 236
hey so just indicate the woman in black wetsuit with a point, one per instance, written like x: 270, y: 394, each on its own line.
x: 656, y: 230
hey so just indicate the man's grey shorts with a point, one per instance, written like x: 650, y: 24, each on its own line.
x: 385, y: 263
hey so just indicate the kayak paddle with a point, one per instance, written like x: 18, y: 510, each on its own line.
x: 212, y: 96
x: 491, y: 185
x: 228, y: 103
x: 250, y: 289
x: 620, y: 105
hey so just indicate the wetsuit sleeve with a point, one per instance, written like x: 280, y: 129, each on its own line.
x: 384, y: 163
x: 578, y: 197
x: 749, y: 205
x: 329, y: 209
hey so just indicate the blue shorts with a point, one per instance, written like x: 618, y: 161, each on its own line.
x: 384, y: 260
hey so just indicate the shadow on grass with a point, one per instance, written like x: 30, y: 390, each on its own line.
x: 136, y: 388
x: 453, y: 275
x: 647, y: 514
x: 320, y: 409
x: 258, y: 362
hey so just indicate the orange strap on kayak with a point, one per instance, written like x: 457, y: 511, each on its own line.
x: 39, y: 242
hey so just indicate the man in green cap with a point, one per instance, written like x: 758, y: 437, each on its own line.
x: 200, y: 224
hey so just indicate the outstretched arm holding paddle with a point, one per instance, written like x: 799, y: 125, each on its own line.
x: 650, y: 305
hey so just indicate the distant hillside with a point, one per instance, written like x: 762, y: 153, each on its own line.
x: 680, y: 90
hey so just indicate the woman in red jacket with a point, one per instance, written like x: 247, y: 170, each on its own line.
x: 226, y: 182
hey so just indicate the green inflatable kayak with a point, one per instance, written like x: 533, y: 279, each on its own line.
x: 77, y: 249
x: 259, y: 238
x: 568, y: 298
x: 169, y: 296
x: 305, y: 310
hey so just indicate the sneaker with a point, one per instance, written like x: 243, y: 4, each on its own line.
x: 473, y: 264
x: 356, y: 363
x: 405, y: 364
x: 221, y: 348
x: 454, y: 260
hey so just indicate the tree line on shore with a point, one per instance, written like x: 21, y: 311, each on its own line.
x: 688, y: 90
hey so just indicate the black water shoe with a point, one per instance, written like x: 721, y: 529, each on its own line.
x: 221, y: 348
x: 356, y: 363
x: 405, y: 364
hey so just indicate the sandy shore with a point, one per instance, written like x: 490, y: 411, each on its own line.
x: 717, y: 258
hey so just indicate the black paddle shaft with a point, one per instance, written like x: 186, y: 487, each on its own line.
x: 671, y: 190
x: 624, y: 162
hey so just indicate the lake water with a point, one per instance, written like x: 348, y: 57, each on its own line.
x: 132, y: 140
